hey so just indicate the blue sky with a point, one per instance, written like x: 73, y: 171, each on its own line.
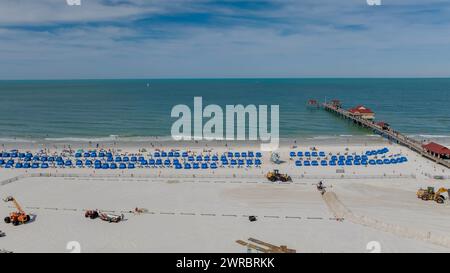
x: 48, y: 39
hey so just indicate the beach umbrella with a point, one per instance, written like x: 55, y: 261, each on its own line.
x: 356, y: 162
x: 249, y: 162
x: 178, y: 166
x: 151, y: 162
x: 2, y: 162
x: 122, y: 166
x: 44, y: 166
x: 157, y: 154
x: 191, y: 158
x: 143, y: 162
x: 163, y: 154
x: 244, y: 154
x: 300, y: 154
x: 126, y: 159
x: 322, y: 154
x: 187, y: 166
x: 298, y: 163
x: 26, y: 165
x: 8, y: 166
x: 79, y: 163
x: 158, y: 162
x: 258, y: 154
x: 195, y: 165
x: 36, y: 158
x: 113, y: 166
x: 323, y: 163
x: 306, y: 163
x: 332, y: 163
x: 93, y: 154
x: 68, y: 163
x: 251, y: 154
x: 237, y: 154
x: 225, y: 162
x: 59, y: 163
x: 170, y: 154
x: 386, y: 161
x: 86, y: 154
x: 88, y: 163
x: 131, y: 166
x: 379, y: 162
x: 109, y: 159
x: 133, y: 159
x: 167, y: 162
x: 207, y: 158
x: 215, y: 158
x: 109, y: 154
x: 199, y: 158
x: 204, y: 166
x: 349, y: 157
x: 223, y: 158
x: 257, y: 162
x: 185, y: 154
x: 394, y: 161
x: 314, y: 163
x: 176, y: 154
x: 307, y: 154
x: 18, y: 165
x: 233, y: 162
x: 363, y: 162
x: 341, y: 163
x: 230, y: 154
x: 141, y: 158
x: 118, y: 159
x: 105, y: 166
x: 176, y: 161
x: 314, y: 154
x: 292, y: 154
x: 349, y: 162
x: 101, y: 154
x: 35, y: 165
x: 14, y: 155
x: 241, y: 162
x: 213, y: 165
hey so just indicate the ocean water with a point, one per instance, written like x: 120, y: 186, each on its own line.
x: 97, y: 109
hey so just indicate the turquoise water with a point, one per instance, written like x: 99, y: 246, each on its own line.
x: 132, y: 108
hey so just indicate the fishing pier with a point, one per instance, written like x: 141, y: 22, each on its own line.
x: 364, y: 117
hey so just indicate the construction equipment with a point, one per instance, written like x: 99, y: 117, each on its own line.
x: 264, y: 247
x: 108, y: 217
x: 93, y: 214
x: 275, y: 176
x: 429, y: 194
x: 18, y: 217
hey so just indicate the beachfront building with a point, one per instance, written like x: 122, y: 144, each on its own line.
x: 438, y: 150
x: 362, y: 112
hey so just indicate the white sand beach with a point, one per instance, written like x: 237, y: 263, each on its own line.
x: 207, y: 210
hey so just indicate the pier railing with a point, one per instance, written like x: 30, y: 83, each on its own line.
x: 391, y: 134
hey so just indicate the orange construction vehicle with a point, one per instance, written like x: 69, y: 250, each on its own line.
x: 18, y: 217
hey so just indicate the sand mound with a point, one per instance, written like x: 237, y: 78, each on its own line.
x: 341, y: 211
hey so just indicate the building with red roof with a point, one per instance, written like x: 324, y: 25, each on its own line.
x: 362, y: 112
x: 437, y: 150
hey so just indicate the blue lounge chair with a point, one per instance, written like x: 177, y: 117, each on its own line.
x: 306, y: 163
x: 300, y: 154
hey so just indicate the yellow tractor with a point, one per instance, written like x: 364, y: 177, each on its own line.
x: 429, y: 194
x: 275, y: 176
